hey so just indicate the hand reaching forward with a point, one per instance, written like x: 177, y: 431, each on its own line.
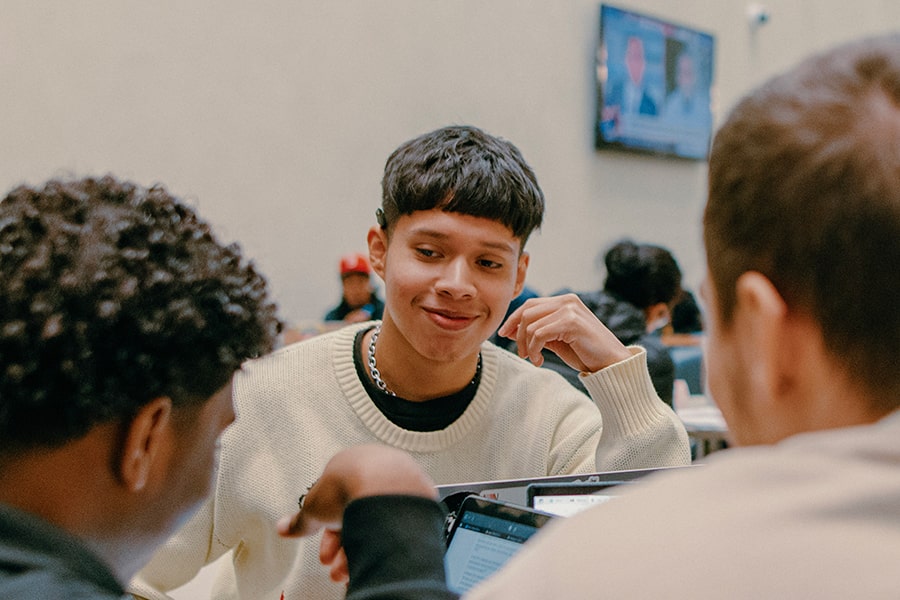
x: 353, y: 473
x: 565, y: 326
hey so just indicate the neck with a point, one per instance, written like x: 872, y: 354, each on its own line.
x: 412, y: 376
x: 125, y: 556
x: 73, y: 488
x: 810, y: 391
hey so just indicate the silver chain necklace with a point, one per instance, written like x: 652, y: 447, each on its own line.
x: 376, y: 375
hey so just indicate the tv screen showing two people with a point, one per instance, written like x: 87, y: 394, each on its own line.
x: 654, y: 80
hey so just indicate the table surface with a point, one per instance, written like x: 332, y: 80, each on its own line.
x: 702, y: 418
x: 703, y: 421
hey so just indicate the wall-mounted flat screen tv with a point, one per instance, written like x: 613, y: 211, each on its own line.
x: 654, y: 83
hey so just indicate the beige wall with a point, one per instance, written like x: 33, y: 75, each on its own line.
x: 276, y: 116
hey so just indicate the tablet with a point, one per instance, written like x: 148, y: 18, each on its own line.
x: 486, y: 533
x: 567, y: 499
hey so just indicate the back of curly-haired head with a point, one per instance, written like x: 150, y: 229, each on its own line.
x: 114, y: 295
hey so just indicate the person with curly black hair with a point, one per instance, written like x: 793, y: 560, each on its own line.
x: 122, y: 321
x: 642, y: 283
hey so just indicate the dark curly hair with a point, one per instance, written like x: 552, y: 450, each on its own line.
x: 113, y: 295
x: 462, y: 169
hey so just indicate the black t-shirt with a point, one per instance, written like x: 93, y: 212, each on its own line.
x: 432, y: 415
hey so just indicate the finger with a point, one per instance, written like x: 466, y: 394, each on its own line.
x: 332, y: 555
x: 535, y: 340
x: 298, y: 525
x: 510, y: 326
x: 340, y: 570
x: 329, y: 546
x: 536, y: 329
x: 524, y: 333
x: 556, y: 326
x: 320, y: 507
x: 530, y: 349
x: 514, y: 322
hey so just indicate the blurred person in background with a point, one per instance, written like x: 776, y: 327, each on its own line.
x: 359, y: 300
x: 642, y: 282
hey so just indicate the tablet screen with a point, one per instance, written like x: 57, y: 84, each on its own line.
x: 486, y: 534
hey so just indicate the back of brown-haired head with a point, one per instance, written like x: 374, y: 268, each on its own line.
x: 804, y: 187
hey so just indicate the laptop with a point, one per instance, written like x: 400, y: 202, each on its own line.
x: 515, y: 491
x: 489, y: 521
x: 564, y: 499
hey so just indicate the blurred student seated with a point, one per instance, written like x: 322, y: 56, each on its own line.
x: 359, y: 300
x: 642, y: 282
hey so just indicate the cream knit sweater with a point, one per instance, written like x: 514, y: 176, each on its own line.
x: 814, y: 516
x: 301, y: 404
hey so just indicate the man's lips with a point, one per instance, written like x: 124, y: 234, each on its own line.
x: 449, y: 319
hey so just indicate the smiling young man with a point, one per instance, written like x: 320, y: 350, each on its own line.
x: 458, y: 207
x: 802, y: 235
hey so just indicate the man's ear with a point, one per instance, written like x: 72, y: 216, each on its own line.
x: 521, y: 272
x: 378, y: 243
x: 763, y: 330
x: 145, y: 438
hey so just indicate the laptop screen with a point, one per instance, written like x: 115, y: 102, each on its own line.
x: 567, y: 499
x: 514, y: 490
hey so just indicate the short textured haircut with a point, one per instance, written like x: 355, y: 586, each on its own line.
x: 804, y: 187
x: 464, y: 170
x: 113, y: 295
x: 642, y: 274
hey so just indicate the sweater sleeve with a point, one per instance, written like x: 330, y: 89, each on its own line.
x: 639, y: 430
x: 395, y: 549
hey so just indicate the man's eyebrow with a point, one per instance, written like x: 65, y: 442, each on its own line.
x: 432, y: 233
x: 487, y: 244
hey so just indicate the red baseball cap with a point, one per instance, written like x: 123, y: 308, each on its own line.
x: 355, y: 263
